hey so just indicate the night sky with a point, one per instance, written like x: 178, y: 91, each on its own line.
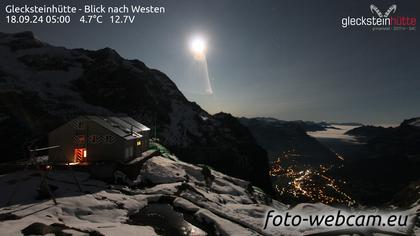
x: 284, y: 59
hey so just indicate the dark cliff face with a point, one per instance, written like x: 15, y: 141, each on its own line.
x: 232, y: 149
x: 42, y: 86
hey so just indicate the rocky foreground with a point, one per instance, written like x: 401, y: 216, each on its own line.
x: 170, y: 197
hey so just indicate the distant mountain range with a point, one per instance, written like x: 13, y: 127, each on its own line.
x: 391, y: 165
x: 306, y: 125
x: 346, y: 123
x: 402, y: 140
x: 278, y: 136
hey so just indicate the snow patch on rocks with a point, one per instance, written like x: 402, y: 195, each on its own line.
x: 162, y: 170
x: 222, y: 206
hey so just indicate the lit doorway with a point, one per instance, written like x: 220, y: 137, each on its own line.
x: 80, y: 155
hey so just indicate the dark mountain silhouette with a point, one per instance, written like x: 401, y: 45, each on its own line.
x: 369, y: 131
x: 42, y: 86
x: 391, y: 164
x: 278, y: 136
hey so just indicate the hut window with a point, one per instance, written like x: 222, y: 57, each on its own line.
x: 94, y: 139
x: 109, y: 139
x: 138, y: 142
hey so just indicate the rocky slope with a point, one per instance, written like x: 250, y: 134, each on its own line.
x: 179, y: 199
x: 169, y: 197
x: 42, y: 86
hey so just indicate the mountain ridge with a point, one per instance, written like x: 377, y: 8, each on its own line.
x: 42, y: 86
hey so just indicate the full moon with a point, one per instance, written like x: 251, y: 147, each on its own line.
x: 198, y: 48
x: 198, y: 74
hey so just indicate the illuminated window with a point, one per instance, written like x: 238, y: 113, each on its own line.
x: 138, y: 142
x: 80, y: 154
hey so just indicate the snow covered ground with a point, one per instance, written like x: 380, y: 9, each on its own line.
x: 172, y: 198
